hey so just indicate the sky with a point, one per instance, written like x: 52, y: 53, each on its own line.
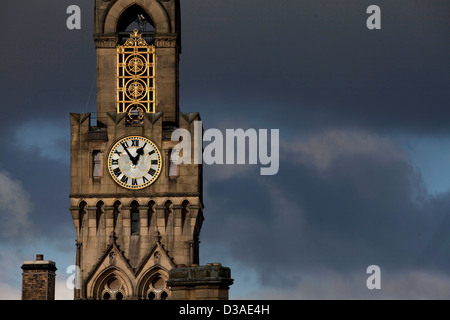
x: 363, y: 116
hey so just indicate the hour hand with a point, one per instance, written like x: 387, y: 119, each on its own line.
x: 140, y: 152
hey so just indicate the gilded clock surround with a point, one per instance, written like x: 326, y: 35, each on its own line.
x: 135, y: 78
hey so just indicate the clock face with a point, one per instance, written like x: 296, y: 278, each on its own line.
x: 134, y: 162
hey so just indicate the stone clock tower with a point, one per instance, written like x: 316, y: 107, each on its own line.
x: 137, y: 214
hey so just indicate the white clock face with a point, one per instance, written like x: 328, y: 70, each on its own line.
x: 134, y: 162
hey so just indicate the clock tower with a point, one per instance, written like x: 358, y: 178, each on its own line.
x: 137, y: 214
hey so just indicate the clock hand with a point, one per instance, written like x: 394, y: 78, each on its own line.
x: 133, y: 159
x: 140, y: 152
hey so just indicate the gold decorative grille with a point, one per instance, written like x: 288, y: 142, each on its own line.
x: 135, y: 78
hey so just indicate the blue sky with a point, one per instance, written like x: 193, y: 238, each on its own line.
x: 431, y: 157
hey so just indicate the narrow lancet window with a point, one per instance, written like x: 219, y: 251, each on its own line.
x: 135, y: 220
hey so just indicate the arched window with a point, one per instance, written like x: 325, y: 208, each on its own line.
x: 112, y: 288
x: 184, y: 212
x: 100, y: 215
x: 82, y: 213
x: 167, y: 211
x: 116, y: 213
x: 135, y: 219
x: 157, y: 288
x: 135, y: 18
x: 151, y: 212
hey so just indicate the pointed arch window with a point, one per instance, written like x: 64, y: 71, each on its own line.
x: 167, y: 212
x: 156, y: 288
x: 82, y: 214
x: 100, y: 215
x: 151, y: 213
x: 116, y: 213
x: 112, y: 288
x: 184, y: 212
x: 135, y: 219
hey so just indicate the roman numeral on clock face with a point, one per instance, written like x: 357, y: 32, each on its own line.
x: 124, y: 179
x: 152, y: 172
x: 117, y: 172
x: 134, y: 182
x: 115, y: 162
x: 135, y: 143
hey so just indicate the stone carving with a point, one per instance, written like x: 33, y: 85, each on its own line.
x: 165, y: 42
x: 157, y: 237
x: 112, y: 258
x: 110, y: 42
x: 157, y: 255
x: 112, y: 238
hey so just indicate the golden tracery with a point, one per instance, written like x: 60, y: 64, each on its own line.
x: 135, y: 78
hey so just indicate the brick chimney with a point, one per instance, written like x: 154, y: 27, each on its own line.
x: 38, y: 281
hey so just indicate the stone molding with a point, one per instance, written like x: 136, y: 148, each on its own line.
x: 106, y: 42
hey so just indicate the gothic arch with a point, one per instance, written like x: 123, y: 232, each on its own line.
x: 82, y: 213
x: 151, y: 214
x: 82, y: 202
x: 100, y: 215
x: 135, y: 218
x: 117, y: 211
x: 153, y: 8
x: 184, y: 212
x: 133, y: 202
x: 168, y: 211
x: 152, y: 285
x: 112, y: 282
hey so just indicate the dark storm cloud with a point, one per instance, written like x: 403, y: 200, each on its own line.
x: 313, y: 59
x: 47, y: 70
x: 356, y: 211
x: 317, y: 61
x: 45, y: 177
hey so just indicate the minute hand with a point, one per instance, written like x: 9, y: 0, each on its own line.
x: 133, y: 159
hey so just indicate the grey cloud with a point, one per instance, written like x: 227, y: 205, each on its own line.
x: 16, y: 207
x: 363, y: 210
x: 322, y: 149
x: 317, y: 62
x: 332, y: 285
